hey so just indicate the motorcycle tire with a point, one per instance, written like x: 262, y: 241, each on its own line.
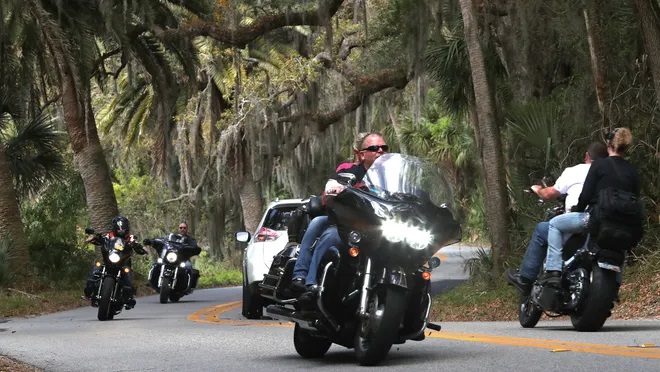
x: 376, y: 335
x: 164, y: 290
x: 105, y: 302
x: 600, y: 297
x: 308, y: 345
x: 528, y: 312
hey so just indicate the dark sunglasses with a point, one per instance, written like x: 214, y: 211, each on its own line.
x: 182, y: 227
x: 375, y: 148
x: 610, y: 136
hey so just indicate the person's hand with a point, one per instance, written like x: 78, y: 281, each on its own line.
x: 90, y: 239
x: 536, y: 188
x: 333, y: 190
x: 146, y: 242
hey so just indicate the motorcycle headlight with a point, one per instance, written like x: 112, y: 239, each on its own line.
x: 159, y: 260
x: 397, y: 231
x: 183, y: 264
x: 171, y: 257
x: 114, y: 257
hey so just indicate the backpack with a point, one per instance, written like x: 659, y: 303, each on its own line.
x: 616, y: 221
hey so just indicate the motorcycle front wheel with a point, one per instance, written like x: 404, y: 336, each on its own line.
x: 528, y: 312
x: 380, y: 329
x: 164, y: 290
x: 105, y: 302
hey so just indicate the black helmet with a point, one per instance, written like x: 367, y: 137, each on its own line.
x: 120, y: 226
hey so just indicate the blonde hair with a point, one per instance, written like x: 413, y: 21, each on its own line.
x: 621, y: 139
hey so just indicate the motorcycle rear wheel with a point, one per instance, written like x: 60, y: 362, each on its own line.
x: 309, y: 346
x: 164, y: 290
x: 105, y: 302
x: 599, y: 301
x: 528, y: 313
x: 376, y: 334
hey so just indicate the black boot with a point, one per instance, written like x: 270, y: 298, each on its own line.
x: 129, y: 301
x: 522, y: 284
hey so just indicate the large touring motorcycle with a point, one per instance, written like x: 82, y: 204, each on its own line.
x: 374, y: 292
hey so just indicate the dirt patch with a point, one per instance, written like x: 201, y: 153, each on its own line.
x: 11, y: 365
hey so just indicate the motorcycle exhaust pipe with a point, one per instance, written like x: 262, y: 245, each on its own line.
x: 290, y: 315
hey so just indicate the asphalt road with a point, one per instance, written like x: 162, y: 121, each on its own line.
x: 205, y: 332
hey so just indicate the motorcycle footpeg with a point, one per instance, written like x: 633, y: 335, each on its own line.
x: 433, y: 326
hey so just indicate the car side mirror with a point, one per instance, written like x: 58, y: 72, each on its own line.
x: 243, y: 236
x: 89, y: 231
x: 349, y: 178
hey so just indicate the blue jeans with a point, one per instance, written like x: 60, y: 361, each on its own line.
x: 314, y: 230
x: 567, y: 223
x: 329, y: 240
x: 535, y: 253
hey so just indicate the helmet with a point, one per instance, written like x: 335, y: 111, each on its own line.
x: 120, y: 226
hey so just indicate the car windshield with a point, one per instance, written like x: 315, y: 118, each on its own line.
x: 400, y: 177
x: 278, y: 217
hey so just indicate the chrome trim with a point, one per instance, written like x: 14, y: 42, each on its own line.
x: 366, y: 284
x: 319, y: 300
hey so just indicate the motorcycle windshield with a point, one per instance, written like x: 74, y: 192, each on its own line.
x: 399, y: 177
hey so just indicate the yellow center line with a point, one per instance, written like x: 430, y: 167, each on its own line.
x: 212, y: 315
x: 550, y: 344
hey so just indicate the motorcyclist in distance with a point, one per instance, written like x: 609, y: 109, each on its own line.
x: 189, y: 249
x: 120, y: 228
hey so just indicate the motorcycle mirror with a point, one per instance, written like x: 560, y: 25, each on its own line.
x: 349, y: 178
x: 89, y: 231
x: 243, y: 236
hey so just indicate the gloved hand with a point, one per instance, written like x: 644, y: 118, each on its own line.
x: 146, y: 242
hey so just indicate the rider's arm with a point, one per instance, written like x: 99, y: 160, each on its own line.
x: 589, y: 188
x: 546, y: 193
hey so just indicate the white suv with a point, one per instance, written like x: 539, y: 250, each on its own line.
x: 269, y: 239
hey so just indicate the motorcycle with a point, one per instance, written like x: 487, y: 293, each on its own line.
x: 588, y: 286
x: 169, y: 274
x: 108, y: 290
x: 373, y: 291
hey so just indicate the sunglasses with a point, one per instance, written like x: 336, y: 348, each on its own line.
x: 375, y: 148
x: 183, y: 228
x: 610, y: 136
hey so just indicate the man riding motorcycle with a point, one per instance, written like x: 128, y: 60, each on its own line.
x: 569, y: 183
x: 120, y: 228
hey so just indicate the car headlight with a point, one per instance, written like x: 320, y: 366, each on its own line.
x: 114, y: 257
x: 397, y: 231
x: 171, y: 257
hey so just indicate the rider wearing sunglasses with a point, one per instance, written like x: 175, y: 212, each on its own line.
x: 371, y: 148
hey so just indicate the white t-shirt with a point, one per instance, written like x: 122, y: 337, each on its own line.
x: 570, y: 182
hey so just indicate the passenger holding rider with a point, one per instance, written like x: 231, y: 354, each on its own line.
x: 611, y: 172
x: 317, y: 226
x: 371, y: 148
x: 570, y: 183
x: 120, y: 228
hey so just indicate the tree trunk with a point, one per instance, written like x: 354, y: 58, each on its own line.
x: 651, y: 35
x: 251, y: 204
x: 489, y: 145
x: 11, y: 225
x: 88, y: 153
x: 595, y: 39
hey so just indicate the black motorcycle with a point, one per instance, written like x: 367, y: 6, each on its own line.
x: 588, y: 286
x: 169, y: 275
x: 374, y: 291
x: 108, y: 290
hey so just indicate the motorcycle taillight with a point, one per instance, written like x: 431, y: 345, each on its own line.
x: 267, y: 235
